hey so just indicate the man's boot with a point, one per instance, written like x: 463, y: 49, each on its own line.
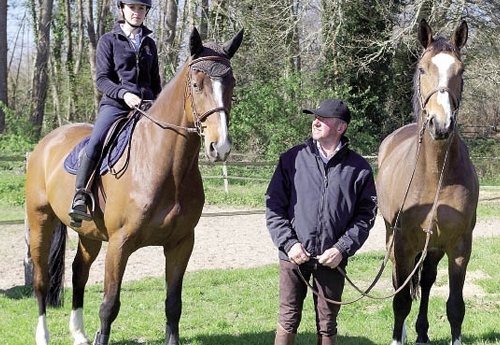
x: 324, y: 340
x: 283, y: 337
x: 78, y: 209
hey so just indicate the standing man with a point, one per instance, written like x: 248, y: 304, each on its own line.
x: 320, y: 207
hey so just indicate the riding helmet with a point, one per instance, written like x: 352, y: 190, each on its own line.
x: 146, y: 3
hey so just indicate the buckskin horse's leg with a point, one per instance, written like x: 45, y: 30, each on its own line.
x: 176, y: 260
x: 86, y: 254
x: 117, y: 255
x: 401, y: 303
x: 457, y: 267
x: 427, y: 279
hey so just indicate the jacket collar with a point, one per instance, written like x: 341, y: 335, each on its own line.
x: 118, y: 30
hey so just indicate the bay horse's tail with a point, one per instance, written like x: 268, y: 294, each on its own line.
x: 56, y: 266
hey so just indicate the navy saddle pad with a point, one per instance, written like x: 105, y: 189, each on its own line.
x: 112, y: 155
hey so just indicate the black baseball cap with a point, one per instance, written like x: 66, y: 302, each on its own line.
x: 331, y: 107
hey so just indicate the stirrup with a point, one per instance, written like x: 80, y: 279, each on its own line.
x: 78, y: 210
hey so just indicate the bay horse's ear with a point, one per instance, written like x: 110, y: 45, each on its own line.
x: 460, y: 35
x: 195, y: 43
x: 425, y: 34
x: 231, y: 46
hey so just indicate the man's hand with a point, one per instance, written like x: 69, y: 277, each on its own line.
x: 331, y: 257
x: 298, y: 255
x: 132, y: 100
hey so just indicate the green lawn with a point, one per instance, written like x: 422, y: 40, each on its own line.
x: 227, y: 307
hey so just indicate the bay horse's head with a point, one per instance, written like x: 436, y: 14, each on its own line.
x: 210, y: 84
x: 438, y: 80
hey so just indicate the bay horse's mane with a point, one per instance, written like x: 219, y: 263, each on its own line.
x: 438, y: 45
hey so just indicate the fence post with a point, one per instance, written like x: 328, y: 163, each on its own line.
x: 224, y: 176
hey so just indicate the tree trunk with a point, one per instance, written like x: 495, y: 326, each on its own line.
x: 40, y: 72
x: 3, y: 61
x: 92, y: 51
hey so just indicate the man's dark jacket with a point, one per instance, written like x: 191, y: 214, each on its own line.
x: 321, y: 206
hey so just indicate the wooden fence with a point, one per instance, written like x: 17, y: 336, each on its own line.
x: 225, y: 176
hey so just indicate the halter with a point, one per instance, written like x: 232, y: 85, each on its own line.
x: 424, y: 100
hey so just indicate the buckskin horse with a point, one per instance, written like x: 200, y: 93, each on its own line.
x: 156, y: 201
x: 428, y: 188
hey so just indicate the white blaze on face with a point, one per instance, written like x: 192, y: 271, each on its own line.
x: 224, y: 145
x: 443, y: 63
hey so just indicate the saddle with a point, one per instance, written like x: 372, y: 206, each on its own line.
x: 117, y: 141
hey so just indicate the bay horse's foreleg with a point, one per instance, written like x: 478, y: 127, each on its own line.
x: 117, y: 255
x: 427, y: 279
x: 176, y: 260
x: 455, y: 306
x: 87, y: 252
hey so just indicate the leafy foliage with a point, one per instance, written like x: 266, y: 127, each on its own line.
x: 16, y: 139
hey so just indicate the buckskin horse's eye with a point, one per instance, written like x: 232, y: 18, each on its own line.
x: 422, y: 70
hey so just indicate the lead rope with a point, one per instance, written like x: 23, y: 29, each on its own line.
x: 427, y: 230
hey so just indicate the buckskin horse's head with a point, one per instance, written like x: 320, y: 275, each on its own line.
x: 438, y: 80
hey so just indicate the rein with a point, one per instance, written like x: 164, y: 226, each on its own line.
x: 394, y: 227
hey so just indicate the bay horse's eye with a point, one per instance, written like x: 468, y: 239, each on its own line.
x: 196, y: 86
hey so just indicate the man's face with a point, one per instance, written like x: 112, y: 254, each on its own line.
x: 327, y: 128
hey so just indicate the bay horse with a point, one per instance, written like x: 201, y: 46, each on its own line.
x: 428, y: 189
x: 156, y: 201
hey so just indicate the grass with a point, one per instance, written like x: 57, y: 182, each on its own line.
x: 227, y: 307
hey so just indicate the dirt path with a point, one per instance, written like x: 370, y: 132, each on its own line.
x: 227, y: 241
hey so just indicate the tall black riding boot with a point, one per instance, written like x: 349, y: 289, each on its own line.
x: 78, y: 210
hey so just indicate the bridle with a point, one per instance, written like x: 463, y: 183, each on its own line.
x: 424, y: 100
x: 188, y: 95
x: 198, y: 119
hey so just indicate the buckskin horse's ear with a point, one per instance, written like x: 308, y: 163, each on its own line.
x: 231, y: 46
x: 460, y: 35
x: 195, y: 44
x: 425, y: 34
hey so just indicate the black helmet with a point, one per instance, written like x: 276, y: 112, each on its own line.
x: 146, y: 3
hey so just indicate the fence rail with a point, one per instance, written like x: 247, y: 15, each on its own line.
x: 226, y: 177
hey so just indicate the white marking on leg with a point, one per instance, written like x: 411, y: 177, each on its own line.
x: 76, y: 327
x: 403, y: 337
x: 457, y: 342
x: 42, y: 332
